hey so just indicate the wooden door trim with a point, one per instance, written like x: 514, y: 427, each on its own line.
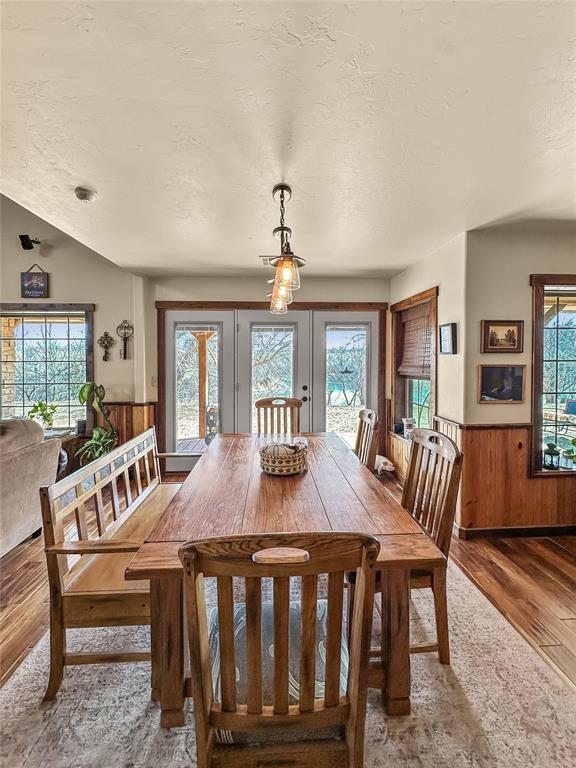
x: 326, y: 306
x: 344, y: 306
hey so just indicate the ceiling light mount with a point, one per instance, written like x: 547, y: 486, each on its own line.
x: 278, y: 189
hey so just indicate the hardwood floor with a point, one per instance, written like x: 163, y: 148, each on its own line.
x: 532, y: 581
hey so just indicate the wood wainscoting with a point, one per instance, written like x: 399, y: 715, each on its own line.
x: 130, y: 419
x: 399, y: 453
x: 497, y: 493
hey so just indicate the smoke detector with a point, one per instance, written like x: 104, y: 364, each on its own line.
x: 85, y: 194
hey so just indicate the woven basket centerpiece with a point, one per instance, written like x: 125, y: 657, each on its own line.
x: 283, y: 459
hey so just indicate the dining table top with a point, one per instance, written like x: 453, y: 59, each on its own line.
x: 227, y: 494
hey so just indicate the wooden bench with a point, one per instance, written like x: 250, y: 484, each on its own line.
x: 124, y: 492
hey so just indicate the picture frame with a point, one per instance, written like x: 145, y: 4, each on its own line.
x: 447, y: 339
x: 34, y: 285
x: 501, y: 384
x: 502, y: 336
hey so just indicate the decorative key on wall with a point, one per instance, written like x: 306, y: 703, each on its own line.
x: 106, y: 342
x: 125, y: 331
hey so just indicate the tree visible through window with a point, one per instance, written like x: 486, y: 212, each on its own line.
x: 418, y: 401
x: 43, y: 358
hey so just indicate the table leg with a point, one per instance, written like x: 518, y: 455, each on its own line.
x: 169, y: 613
x: 396, y: 640
x: 155, y: 638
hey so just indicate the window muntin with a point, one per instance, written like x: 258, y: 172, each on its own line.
x: 418, y: 401
x: 43, y: 358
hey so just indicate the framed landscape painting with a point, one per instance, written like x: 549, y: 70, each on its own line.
x: 502, y: 336
x: 501, y: 383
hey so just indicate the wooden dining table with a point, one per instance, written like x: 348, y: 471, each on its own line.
x: 227, y: 493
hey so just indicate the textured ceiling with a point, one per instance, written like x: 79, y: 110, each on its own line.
x: 398, y: 125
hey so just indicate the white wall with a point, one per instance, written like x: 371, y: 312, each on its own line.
x: 256, y: 288
x: 77, y: 275
x: 500, y: 262
x: 445, y: 268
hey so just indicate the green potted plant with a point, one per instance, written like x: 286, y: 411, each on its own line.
x: 103, y: 439
x: 570, y: 453
x: 43, y: 412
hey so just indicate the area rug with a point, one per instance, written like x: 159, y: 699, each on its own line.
x: 498, y: 704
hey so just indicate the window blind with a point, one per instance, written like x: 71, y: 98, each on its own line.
x: 416, y: 351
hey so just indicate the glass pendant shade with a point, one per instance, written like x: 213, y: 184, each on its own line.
x: 281, y: 293
x: 287, y: 273
x: 278, y: 307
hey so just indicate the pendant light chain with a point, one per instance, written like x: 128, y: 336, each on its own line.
x: 287, y: 277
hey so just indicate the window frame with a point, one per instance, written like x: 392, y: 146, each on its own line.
x: 399, y: 400
x: 539, y: 283
x: 63, y: 309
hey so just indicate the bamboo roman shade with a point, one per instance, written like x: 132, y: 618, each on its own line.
x: 416, y: 350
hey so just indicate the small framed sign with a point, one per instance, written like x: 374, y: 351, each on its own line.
x: 447, y: 334
x: 34, y: 285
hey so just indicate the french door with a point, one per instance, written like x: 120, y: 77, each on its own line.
x: 219, y: 363
x: 273, y: 361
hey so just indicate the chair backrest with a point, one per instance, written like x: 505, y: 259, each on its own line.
x: 278, y: 557
x: 366, y: 444
x: 91, y: 488
x: 278, y: 415
x: 431, y: 486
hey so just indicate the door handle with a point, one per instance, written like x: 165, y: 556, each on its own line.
x: 304, y: 399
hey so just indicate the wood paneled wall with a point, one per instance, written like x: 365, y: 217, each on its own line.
x: 130, y: 419
x: 497, y: 491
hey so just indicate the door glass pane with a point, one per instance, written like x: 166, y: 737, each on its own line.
x: 273, y: 349
x: 197, y: 386
x: 346, y: 361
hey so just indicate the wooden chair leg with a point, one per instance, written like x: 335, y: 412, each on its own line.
x: 155, y: 640
x: 441, y: 611
x: 57, y: 654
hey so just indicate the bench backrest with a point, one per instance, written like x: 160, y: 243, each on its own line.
x: 126, y: 475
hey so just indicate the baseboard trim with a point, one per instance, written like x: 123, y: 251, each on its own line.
x: 531, y: 530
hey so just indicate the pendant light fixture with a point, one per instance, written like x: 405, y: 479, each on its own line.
x: 287, y: 265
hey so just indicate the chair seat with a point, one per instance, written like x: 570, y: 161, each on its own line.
x: 268, y: 664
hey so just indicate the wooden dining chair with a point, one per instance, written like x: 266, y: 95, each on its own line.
x: 277, y: 683
x: 278, y: 415
x: 367, y: 437
x: 430, y: 495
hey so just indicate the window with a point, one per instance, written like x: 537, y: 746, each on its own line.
x: 346, y: 376
x: 414, y: 358
x: 197, y: 380
x: 273, y: 349
x: 418, y: 401
x: 554, y: 374
x: 45, y: 356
